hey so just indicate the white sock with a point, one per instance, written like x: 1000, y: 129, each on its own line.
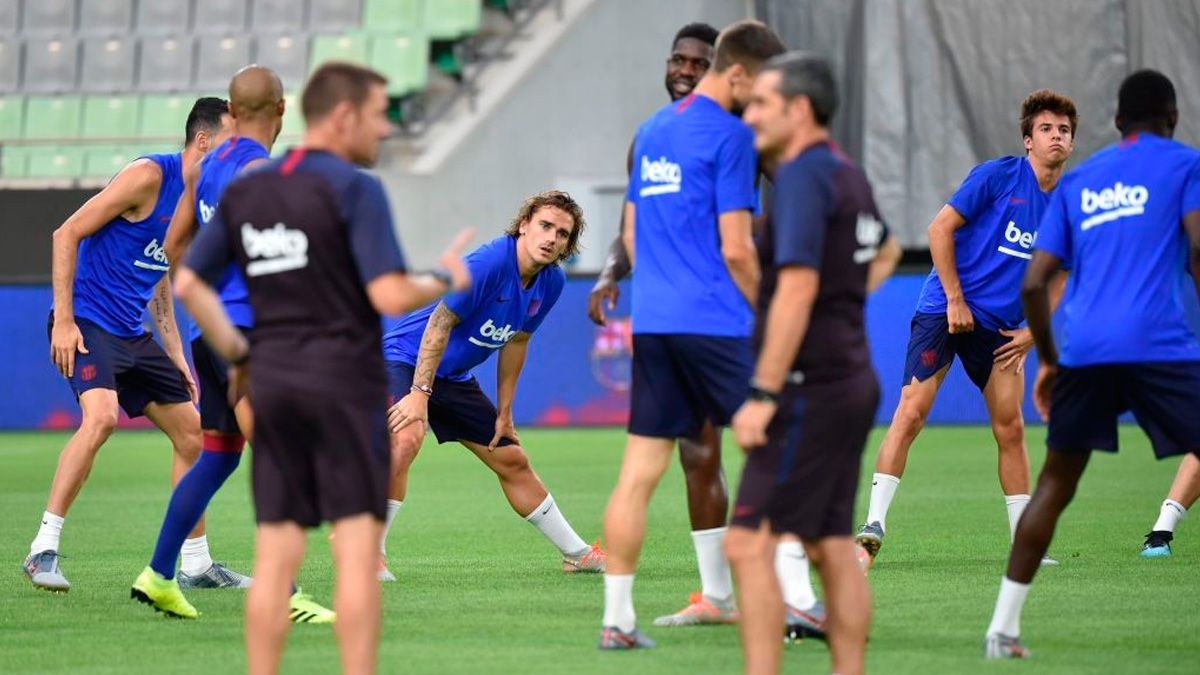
x: 791, y: 566
x: 551, y: 523
x: 196, y: 559
x: 1169, y: 515
x: 1016, y: 506
x: 1007, y: 618
x: 618, y: 602
x: 883, y: 489
x: 393, y: 507
x: 48, y: 534
x: 716, y: 581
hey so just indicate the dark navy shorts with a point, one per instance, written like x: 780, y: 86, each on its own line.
x: 804, y: 480
x: 679, y: 381
x: 318, y: 457
x: 458, y: 411
x: 136, y: 368
x: 931, y: 347
x: 1164, y: 398
x: 212, y: 376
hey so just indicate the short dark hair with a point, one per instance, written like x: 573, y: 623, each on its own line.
x: 1044, y: 100
x: 697, y: 31
x: 748, y: 43
x: 1146, y: 96
x: 333, y: 83
x: 557, y: 199
x: 206, y: 115
x: 806, y: 74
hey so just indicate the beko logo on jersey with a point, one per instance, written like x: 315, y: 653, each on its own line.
x: 281, y: 249
x: 1114, y: 202
x: 156, y: 253
x: 1015, y: 235
x: 206, y: 211
x: 498, y: 334
x: 665, y: 177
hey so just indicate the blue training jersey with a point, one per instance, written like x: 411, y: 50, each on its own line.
x: 217, y: 171
x: 693, y: 161
x: 118, y: 266
x: 1002, y: 204
x: 1115, y: 224
x: 494, y: 309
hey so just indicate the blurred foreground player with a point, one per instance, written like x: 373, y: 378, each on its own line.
x: 313, y: 236
x: 108, y: 265
x: 1126, y: 224
x: 812, y: 401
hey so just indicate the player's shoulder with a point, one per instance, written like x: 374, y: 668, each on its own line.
x: 144, y: 173
x: 1006, y: 165
x: 493, y: 253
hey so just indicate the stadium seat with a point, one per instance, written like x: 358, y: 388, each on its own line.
x: 55, y: 161
x: 14, y: 161
x: 10, y: 12
x: 334, y: 16
x: 49, y: 17
x: 287, y: 55
x: 105, y: 17
x: 162, y: 116
x: 10, y: 64
x: 337, y: 47
x: 50, y: 64
x: 220, y: 16
x: 12, y: 117
x: 293, y: 119
x: 52, y: 116
x: 219, y: 58
x: 110, y: 117
x: 165, y: 64
x: 163, y: 17
x: 451, y: 19
x: 104, y: 160
x: 107, y: 64
x: 403, y: 59
x: 276, y: 16
x: 392, y: 16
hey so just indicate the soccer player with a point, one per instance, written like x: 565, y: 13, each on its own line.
x: 314, y: 238
x: 1123, y: 223
x: 970, y: 306
x: 108, y: 265
x: 1185, y: 489
x: 813, y: 397
x: 688, y: 210
x: 431, y: 353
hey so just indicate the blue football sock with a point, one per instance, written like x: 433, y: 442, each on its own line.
x: 187, y: 505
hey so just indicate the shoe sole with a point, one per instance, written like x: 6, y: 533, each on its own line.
x: 667, y: 622
x: 569, y: 568
x: 870, y: 543
x: 141, y: 597
x: 795, y: 631
x: 1155, y: 554
x: 48, y: 589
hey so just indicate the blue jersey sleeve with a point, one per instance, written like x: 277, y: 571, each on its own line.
x: 1191, y: 188
x: 737, y: 167
x: 483, y: 265
x: 977, y: 191
x: 369, y: 226
x: 553, y: 291
x: 1054, y: 232
x: 210, y: 253
x: 799, y: 215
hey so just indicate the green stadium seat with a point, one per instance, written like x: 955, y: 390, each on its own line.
x: 451, y: 19
x: 110, y: 116
x: 104, y: 160
x: 56, y: 161
x: 12, y: 116
x: 163, y: 115
x: 52, y: 116
x: 392, y: 16
x: 14, y: 161
x: 350, y: 47
x: 403, y: 59
x: 293, y: 121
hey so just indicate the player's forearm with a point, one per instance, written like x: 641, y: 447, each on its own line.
x: 883, y: 264
x: 742, y: 264
x: 205, y: 307
x: 64, y: 250
x: 508, y: 371
x: 628, y: 227
x: 1058, y: 287
x: 787, y: 322
x: 162, y: 309
x: 433, y: 345
x: 616, y: 265
x: 941, y: 249
x: 1035, y: 301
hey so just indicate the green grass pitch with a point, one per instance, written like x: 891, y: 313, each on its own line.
x: 481, y: 591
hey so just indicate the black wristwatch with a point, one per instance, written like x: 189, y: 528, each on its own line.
x: 443, y: 275
x: 757, y: 393
x: 241, y: 360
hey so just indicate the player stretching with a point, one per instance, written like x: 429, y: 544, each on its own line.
x: 970, y: 306
x: 1185, y: 489
x: 688, y: 212
x: 431, y: 353
x: 108, y: 263
x: 1121, y: 223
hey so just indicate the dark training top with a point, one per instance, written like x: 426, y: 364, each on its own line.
x: 308, y: 231
x: 823, y: 216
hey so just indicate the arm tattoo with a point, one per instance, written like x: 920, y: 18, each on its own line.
x: 433, y: 343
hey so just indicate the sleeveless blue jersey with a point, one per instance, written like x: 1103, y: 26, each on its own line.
x: 118, y: 266
x: 218, y: 170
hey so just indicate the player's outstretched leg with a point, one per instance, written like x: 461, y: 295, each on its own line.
x: 531, y: 500
x: 1185, y: 489
x: 751, y: 555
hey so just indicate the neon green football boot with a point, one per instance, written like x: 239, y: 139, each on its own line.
x: 162, y: 594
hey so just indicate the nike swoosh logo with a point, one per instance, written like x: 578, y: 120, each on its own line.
x: 546, y: 511
x: 874, y: 482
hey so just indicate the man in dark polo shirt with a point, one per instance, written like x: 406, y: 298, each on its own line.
x: 813, y: 397
x: 313, y: 237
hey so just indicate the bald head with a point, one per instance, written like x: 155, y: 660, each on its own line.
x: 255, y: 91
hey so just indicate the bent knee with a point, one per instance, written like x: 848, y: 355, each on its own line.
x: 1009, y: 432
x: 100, y: 422
x: 512, y: 460
x: 911, y: 414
